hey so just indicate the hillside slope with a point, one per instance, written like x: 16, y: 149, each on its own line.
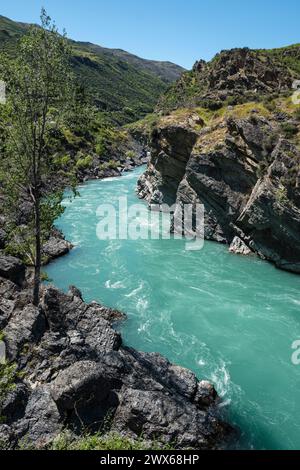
x: 125, y: 86
x: 234, y: 77
x: 167, y: 71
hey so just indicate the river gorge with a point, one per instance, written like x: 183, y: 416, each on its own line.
x: 231, y: 319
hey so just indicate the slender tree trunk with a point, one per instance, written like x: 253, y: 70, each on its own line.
x: 38, y: 255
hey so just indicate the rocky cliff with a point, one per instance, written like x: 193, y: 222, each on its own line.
x: 73, y: 372
x: 243, y: 164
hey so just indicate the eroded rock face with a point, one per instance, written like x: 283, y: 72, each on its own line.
x: 78, y: 375
x: 172, y: 146
x: 243, y: 70
x: 153, y: 413
x: 242, y: 171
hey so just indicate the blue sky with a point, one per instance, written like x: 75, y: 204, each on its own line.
x: 181, y: 31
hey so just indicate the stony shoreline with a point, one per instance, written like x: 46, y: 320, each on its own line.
x: 76, y: 374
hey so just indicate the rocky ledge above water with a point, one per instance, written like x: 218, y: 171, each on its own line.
x: 242, y: 169
x: 76, y: 374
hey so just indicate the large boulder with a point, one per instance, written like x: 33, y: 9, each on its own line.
x: 13, y: 269
x: 68, y: 312
x: 157, y: 415
x: 41, y: 422
x: 82, y: 382
x: 14, y: 404
x: 25, y: 328
x: 56, y: 247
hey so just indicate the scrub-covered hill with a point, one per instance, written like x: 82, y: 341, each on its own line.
x: 124, y: 85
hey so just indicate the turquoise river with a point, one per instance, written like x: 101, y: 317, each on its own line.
x: 230, y: 319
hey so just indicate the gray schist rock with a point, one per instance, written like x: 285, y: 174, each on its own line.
x: 12, y: 269
x: 56, y: 247
x: 242, y: 171
x: 78, y: 375
x: 239, y: 247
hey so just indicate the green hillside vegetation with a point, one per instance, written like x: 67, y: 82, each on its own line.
x: 115, y: 86
x: 11, y: 29
x: 121, y: 85
x: 167, y: 71
x: 288, y: 56
x: 213, y: 119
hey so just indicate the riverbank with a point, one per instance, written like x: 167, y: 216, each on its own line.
x: 73, y: 373
x: 132, y: 154
x: 57, y: 245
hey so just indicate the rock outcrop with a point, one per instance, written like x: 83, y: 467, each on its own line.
x: 239, y: 247
x: 234, y: 76
x: 244, y: 172
x: 56, y: 246
x: 77, y: 375
x: 12, y: 269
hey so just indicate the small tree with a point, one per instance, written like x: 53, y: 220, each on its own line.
x: 38, y: 83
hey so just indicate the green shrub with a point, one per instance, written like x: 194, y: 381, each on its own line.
x: 270, y: 104
x: 100, y: 148
x: 84, y: 162
x: 130, y: 154
x: 289, y: 130
x: 71, y: 139
x: 97, y: 442
x: 62, y: 161
x: 114, y: 164
x: 110, y: 441
x: 282, y: 195
x: 297, y: 114
x: 144, y: 126
x: 110, y: 165
x: 7, y: 382
x: 128, y: 110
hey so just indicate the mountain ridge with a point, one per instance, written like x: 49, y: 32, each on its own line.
x: 233, y: 77
x: 119, y: 83
x: 158, y: 67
